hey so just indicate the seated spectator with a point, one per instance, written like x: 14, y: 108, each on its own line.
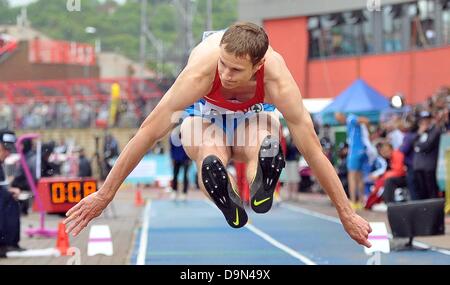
x: 373, y: 170
x: 396, y: 168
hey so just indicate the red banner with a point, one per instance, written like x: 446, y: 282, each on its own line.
x: 59, y: 52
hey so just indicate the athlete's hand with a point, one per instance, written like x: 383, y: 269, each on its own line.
x: 358, y: 229
x: 79, y: 216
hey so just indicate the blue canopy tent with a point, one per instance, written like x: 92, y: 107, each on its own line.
x: 359, y: 99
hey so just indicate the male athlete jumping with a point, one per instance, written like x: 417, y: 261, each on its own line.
x: 226, y: 95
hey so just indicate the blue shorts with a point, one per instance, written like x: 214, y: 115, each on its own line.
x: 227, y: 120
x: 355, y: 161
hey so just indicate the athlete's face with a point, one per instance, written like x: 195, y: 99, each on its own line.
x: 236, y: 71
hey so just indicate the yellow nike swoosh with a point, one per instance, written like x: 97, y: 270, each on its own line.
x: 257, y: 203
x: 237, y: 218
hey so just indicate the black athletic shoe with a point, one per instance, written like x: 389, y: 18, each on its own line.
x: 217, y: 184
x: 268, y: 169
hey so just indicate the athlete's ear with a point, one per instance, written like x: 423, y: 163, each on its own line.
x: 260, y: 64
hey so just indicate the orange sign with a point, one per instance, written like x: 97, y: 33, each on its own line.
x: 71, y: 192
x: 59, y: 194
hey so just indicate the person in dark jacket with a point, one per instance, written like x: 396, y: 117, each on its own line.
x: 179, y: 160
x: 9, y: 207
x: 84, y: 165
x: 48, y: 169
x: 110, y: 153
x: 292, y: 171
x: 426, y: 150
x: 341, y: 166
x: 407, y: 148
x: 20, y: 180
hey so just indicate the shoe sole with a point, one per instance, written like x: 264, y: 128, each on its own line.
x: 270, y: 164
x: 217, y: 184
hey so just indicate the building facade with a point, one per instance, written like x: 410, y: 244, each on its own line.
x: 397, y: 46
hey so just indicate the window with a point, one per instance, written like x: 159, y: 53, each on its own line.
x: 340, y: 34
x: 314, y: 31
x: 367, y: 32
x: 423, y: 32
x: 327, y: 42
x: 446, y: 21
x: 392, y: 28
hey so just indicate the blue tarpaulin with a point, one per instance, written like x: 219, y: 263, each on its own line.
x: 359, y: 99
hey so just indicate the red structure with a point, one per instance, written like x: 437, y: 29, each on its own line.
x: 76, y: 90
x: 59, y: 194
x: 133, y: 91
x: 414, y: 73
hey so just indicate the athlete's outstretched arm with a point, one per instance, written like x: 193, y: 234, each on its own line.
x: 192, y: 84
x: 285, y: 95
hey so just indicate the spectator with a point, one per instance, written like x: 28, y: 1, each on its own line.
x: 407, y: 148
x: 426, y: 148
x: 20, y: 180
x: 375, y: 168
x: 110, y: 153
x: 84, y: 165
x: 48, y: 168
x: 158, y: 148
x: 375, y: 165
x: 395, y: 172
x: 9, y: 207
x: 341, y: 166
x: 292, y: 172
x: 395, y: 169
x: 395, y: 135
x: 356, y: 157
x: 179, y: 160
x: 326, y: 143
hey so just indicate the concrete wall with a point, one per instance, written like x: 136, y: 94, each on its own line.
x: 113, y: 65
x: 86, y: 137
x: 82, y: 137
x: 259, y: 10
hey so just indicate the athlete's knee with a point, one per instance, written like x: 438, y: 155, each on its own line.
x: 222, y: 153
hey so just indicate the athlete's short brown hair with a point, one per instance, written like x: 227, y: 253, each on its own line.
x: 243, y: 38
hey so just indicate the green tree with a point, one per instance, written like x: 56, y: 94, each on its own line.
x: 118, y: 26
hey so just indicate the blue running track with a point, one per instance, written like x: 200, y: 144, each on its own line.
x: 195, y: 232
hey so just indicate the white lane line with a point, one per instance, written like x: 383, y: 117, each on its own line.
x: 336, y: 220
x: 279, y: 245
x: 311, y: 213
x: 142, y: 252
x: 273, y: 241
